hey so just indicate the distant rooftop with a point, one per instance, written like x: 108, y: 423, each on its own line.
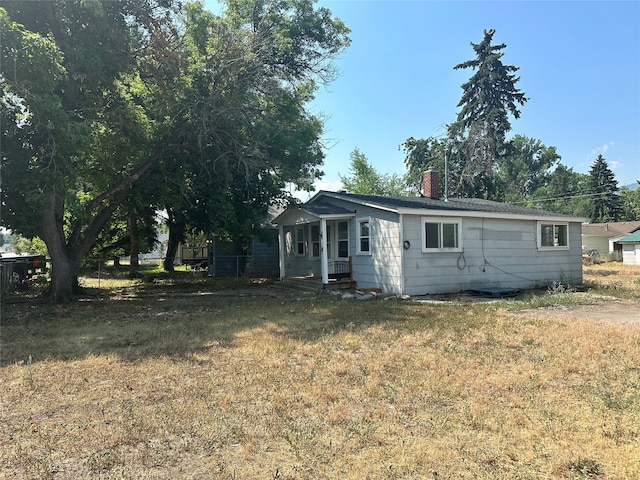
x: 611, y: 229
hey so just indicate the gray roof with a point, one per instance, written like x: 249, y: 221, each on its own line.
x: 320, y: 208
x: 453, y: 204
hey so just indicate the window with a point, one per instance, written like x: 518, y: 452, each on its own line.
x: 441, y: 235
x: 343, y: 239
x: 300, y: 240
x: 364, y: 236
x: 315, y: 241
x: 329, y: 242
x: 553, y: 236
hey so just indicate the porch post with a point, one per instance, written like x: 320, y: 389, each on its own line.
x: 324, y: 260
x: 281, y: 247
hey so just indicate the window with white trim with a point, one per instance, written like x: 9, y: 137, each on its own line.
x: 329, y: 251
x: 343, y: 239
x: 300, y: 240
x: 441, y: 234
x: 315, y: 241
x: 364, y: 236
x: 553, y: 236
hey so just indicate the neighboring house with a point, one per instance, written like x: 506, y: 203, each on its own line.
x: 631, y: 248
x: 427, y: 245
x: 604, y: 237
x: 255, y: 257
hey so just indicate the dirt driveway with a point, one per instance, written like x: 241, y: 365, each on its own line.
x: 613, y: 310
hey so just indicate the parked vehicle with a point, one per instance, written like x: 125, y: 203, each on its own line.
x: 23, y: 267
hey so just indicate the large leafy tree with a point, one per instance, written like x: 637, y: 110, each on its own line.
x: 525, y: 167
x: 264, y: 137
x: 566, y: 192
x: 479, y: 132
x: 364, y: 179
x: 95, y: 95
x: 605, y: 199
x: 630, y: 200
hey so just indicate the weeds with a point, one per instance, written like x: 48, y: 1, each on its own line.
x: 289, y: 387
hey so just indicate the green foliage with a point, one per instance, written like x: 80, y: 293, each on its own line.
x: 630, y: 203
x: 420, y: 155
x: 475, y: 145
x: 525, y: 167
x: 364, y: 179
x: 478, y: 134
x: 112, y: 109
x: 566, y: 192
x: 605, y: 202
x: 31, y: 246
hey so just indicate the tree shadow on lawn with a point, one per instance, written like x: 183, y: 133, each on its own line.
x: 164, y: 324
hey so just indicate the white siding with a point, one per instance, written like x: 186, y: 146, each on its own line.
x: 631, y: 253
x: 497, y: 254
x: 382, y: 268
x: 601, y: 244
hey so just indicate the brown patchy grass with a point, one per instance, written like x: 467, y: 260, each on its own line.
x: 291, y: 387
x: 613, y: 276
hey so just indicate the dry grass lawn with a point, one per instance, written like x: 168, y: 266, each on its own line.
x: 288, y: 386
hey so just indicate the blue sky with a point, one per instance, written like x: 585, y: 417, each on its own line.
x: 579, y: 65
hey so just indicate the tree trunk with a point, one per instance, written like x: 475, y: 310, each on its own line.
x: 176, y: 234
x: 64, y: 264
x: 64, y: 277
x: 134, y: 248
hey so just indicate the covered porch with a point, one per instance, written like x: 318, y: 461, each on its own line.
x: 314, y: 246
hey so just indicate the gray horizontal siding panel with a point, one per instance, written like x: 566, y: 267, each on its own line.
x: 497, y: 253
x: 383, y: 268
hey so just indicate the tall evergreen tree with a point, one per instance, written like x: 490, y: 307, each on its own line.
x: 606, y: 205
x: 482, y: 123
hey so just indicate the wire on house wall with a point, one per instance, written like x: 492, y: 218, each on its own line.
x: 487, y: 262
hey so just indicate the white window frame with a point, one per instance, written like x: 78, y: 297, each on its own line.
x: 440, y: 221
x: 554, y: 225
x: 314, y: 242
x: 340, y: 240
x: 300, y: 231
x: 359, y: 237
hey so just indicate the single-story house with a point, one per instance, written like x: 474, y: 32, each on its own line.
x: 631, y: 248
x: 604, y: 237
x: 428, y: 245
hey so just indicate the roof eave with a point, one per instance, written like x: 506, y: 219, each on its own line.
x: 485, y: 214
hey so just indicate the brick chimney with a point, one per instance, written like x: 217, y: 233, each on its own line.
x: 431, y: 184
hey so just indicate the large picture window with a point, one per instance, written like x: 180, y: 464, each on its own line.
x: 364, y: 236
x: 441, y: 235
x: 553, y: 236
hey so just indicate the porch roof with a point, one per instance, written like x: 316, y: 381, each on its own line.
x: 631, y: 238
x: 312, y: 212
x: 324, y: 209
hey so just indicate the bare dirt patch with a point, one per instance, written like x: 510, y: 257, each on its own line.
x: 607, y: 309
